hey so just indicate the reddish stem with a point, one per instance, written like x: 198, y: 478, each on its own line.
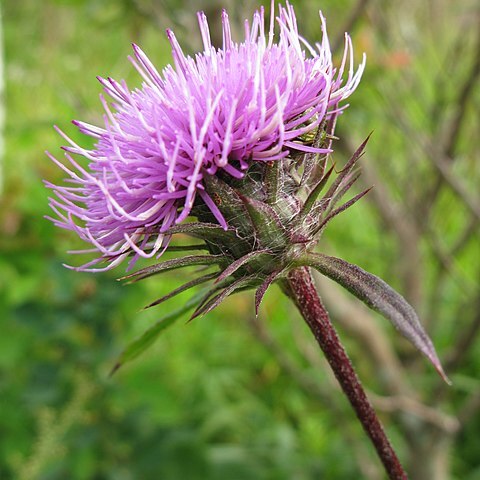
x: 301, y: 289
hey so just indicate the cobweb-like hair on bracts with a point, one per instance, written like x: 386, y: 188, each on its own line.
x: 219, y: 110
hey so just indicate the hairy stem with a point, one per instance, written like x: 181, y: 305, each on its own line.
x: 300, y: 288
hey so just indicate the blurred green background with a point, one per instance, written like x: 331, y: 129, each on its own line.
x: 228, y: 397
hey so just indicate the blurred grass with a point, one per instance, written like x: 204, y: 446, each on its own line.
x: 207, y: 401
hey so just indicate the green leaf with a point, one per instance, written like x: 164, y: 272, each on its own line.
x: 312, y: 197
x: 343, y: 188
x: 340, y: 209
x: 211, y: 233
x: 272, y: 181
x: 378, y: 296
x: 315, y: 163
x: 227, y: 199
x: 172, y: 264
x: 202, y: 230
x: 148, y: 338
x: 240, y: 262
x: 262, y: 289
x: 347, y: 169
x: 208, y: 305
x: 186, y: 286
x: 268, y: 226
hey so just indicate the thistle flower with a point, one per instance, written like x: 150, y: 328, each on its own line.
x: 217, y: 112
x: 237, y: 138
x: 236, y: 141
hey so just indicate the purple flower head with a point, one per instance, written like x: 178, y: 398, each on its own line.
x: 223, y: 109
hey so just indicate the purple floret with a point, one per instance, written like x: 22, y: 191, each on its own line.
x: 220, y: 110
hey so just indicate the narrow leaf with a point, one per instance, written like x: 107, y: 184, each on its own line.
x: 262, y: 289
x: 268, y: 226
x: 146, y: 340
x: 172, y: 264
x: 210, y: 292
x: 186, y: 248
x: 347, y: 183
x: 215, y: 235
x: 314, y: 163
x: 312, y: 197
x: 183, y: 288
x: 208, y: 306
x: 202, y: 230
x: 347, y: 168
x: 233, y: 267
x: 340, y: 209
x: 273, y: 181
x: 379, y: 296
x: 226, y: 198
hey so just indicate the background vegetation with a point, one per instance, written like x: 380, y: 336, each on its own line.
x: 228, y: 396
